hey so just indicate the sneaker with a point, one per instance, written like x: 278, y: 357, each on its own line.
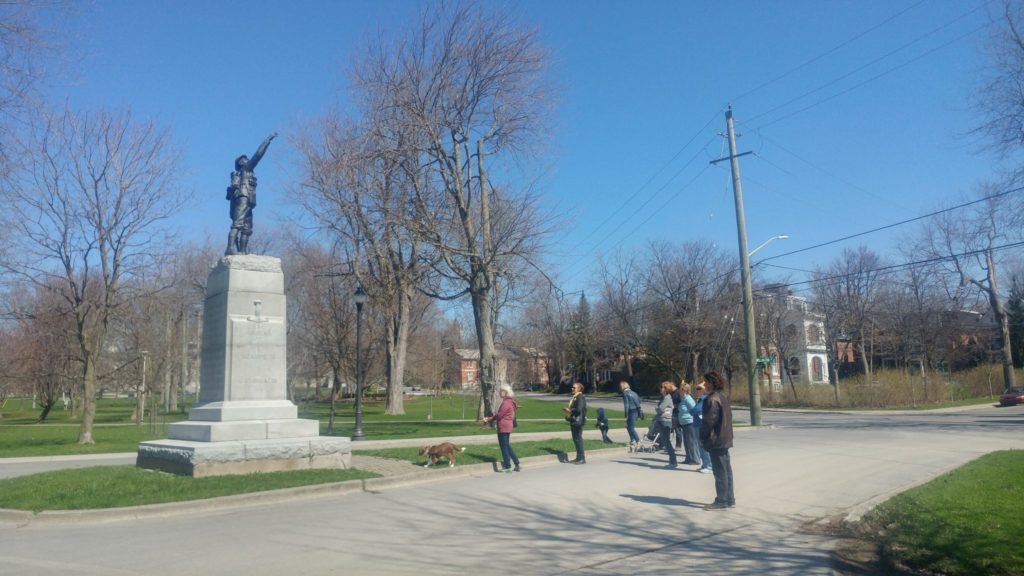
x: 579, y: 461
x: 517, y: 468
x: 731, y: 505
x: 671, y: 466
x: 716, y: 506
x: 706, y: 471
x: 505, y: 470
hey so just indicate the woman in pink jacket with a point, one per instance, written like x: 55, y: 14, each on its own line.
x: 505, y: 418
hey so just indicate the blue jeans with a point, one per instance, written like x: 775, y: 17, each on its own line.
x: 507, y: 453
x: 690, y: 444
x: 721, y: 465
x: 705, y: 457
x: 631, y: 426
x: 577, y: 440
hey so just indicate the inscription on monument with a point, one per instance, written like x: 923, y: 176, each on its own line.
x: 258, y: 364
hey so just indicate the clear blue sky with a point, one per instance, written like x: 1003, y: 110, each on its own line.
x: 639, y: 80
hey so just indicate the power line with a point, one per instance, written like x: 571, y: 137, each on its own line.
x: 893, y: 267
x: 876, y: 61
x: 652, y: 178
x: 867, y: 81
x: 895, y: 224
x: 839, y: 179
x: 648, y: 201
x: 822, y: 280
x: 834, y: 49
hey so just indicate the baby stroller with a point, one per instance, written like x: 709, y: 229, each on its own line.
x: 649, y: 441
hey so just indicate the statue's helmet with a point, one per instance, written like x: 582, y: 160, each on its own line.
x: 241, y: 161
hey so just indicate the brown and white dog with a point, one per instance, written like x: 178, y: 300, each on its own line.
x: 446, y: 449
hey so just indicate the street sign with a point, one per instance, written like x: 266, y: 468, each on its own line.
x: 765, y: 360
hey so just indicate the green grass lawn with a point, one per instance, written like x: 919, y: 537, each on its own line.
x: 486, y: 453
x: 966, y: 522
x: 108, y: 411
x: 55, y: 440
x: 118, y: 486
x: 425, y: 417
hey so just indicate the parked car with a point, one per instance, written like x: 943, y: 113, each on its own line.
x: 1013, y: 395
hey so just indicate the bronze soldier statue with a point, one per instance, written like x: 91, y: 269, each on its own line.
x: 242, y: 194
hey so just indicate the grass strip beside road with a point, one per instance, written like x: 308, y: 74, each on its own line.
x: 425, y: 417
x: 966, y: 522
x: 488, y: 453
x: 119, y: 486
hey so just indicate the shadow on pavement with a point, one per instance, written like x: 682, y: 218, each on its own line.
x: 663, y: 501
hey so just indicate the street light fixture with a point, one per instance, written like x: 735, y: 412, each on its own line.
x: 767, y: 242
x: 359, y: 298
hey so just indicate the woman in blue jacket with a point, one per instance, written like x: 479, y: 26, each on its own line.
x: 698, y: 417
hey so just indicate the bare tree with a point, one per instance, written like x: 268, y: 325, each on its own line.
x: 27, y: 51
x: 321, y: 318
x: 469, y: 84
x: 39, y: 351
x: 357, y: 190
x: 968, y: 248
x: 87, y: 213
x: 621, y: 312
x: 693, y: 300
x: 999, y: 97
x: 847, y: 291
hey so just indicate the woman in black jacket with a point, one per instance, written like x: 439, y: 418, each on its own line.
x: 576, y: 416
x: 716, y: 438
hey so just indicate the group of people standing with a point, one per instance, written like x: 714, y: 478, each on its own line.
x: 701, y: 424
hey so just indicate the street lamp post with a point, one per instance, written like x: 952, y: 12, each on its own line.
x: 142, y: 390
x: 359, y: 298
x: 748, y: 310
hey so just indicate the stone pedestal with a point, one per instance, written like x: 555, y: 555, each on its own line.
x: 244, y: 421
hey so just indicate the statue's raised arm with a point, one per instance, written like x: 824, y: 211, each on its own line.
x: 242, y: 194
x: 260, y: 151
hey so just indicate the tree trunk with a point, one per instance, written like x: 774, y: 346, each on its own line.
x: 1009, y: 379
x: 864, y: 362
x: 139, y: 414
x: 480, y: 290
x: 88, y: 401
x: 47, y: 406
x: 396, y: 349
x: 485, y: 342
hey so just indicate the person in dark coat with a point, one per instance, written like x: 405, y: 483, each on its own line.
x: 576, y: 416
x: 602, y: 425
x: 716, y: 438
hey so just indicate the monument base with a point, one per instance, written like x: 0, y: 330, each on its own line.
x: 199, y: 459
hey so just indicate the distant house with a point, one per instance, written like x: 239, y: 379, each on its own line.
x: 806, y: 355
x: 515, y: 367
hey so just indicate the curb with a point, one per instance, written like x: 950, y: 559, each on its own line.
x: 881, y: 411
x: 23, y: 518
x: 858, y: 511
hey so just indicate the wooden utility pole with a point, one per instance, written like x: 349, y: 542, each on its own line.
x: 748, y: 291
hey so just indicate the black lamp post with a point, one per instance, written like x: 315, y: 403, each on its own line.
x: 359, y: 298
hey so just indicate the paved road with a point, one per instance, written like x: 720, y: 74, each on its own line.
x: 624, y: 515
